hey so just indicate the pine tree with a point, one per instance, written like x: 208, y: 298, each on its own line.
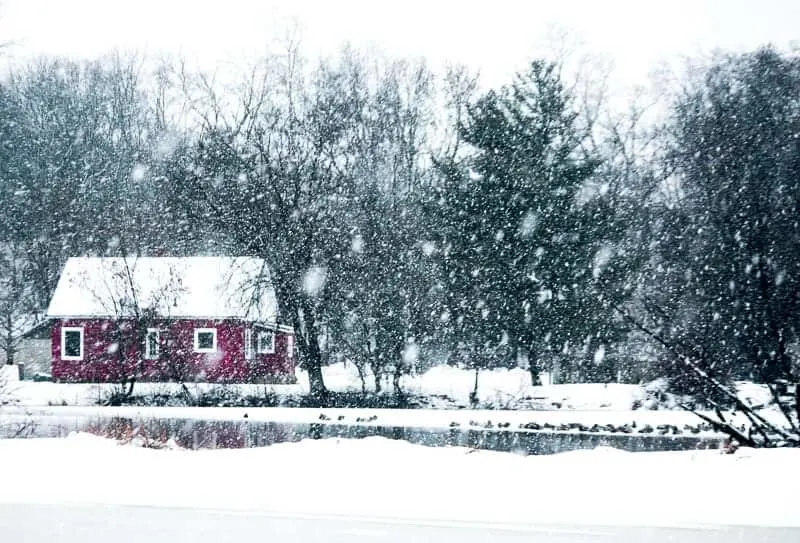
x: 529, y: 231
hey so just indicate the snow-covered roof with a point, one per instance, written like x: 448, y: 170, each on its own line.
x: 175, y: 287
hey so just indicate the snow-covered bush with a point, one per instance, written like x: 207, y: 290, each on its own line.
x: 9, y: 374
x: 3, y: 390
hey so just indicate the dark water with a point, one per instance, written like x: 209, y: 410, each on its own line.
x: 205, y: 434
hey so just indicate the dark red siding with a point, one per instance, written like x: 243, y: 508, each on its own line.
x: 114, y: 350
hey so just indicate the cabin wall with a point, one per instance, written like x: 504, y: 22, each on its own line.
x: 114, y: 350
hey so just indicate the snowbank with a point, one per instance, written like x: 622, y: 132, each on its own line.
x: 33, y: 394
x: 376, y: 477
x: 9, y: 373
x: 583, y: 396
x: 500, y: 387
x: 754, y: 394
x: 444, y: 386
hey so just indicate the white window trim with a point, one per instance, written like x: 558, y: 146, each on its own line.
x: 197, y: 332
x: 289, y: 346
x: 270, y: 349
x: 147, y: 354
x: 64, y: 331
x: 249, y: 352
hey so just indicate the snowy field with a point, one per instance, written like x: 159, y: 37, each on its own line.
x: 513, y: 403
x: 501, y: 389
x: 380, y: 478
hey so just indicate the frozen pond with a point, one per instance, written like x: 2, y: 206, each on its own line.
x: 204, y: 434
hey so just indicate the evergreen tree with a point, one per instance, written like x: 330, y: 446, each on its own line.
x: 529, y: 230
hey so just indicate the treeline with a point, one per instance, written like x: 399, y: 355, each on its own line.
x: 409, y: 217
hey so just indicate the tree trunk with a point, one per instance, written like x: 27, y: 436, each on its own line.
x: 396, y: 376
x: 10, y: 348
x: 784, y: 359
x: 396, y: 383
x: 362, y: 377
x: 376, y: 375
x: 187, y: 395
x: 313, y: 354
x: 316, y: 382
x: 536, y: 379
x: 473, y: 396
x: 131, y: 383
x: 555, y: 371
x: 533, y: 369
x: 396, y: 351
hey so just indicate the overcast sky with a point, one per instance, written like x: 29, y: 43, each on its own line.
x: 496, y: 36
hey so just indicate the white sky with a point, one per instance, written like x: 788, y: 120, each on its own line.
x: 496, y: 37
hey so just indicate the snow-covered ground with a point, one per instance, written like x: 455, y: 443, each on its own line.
x: 511, y: 388
x: 380, y: 478
x: 501, y: 388
x: 513, y: 402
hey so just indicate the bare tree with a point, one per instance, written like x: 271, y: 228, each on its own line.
x: 134, y: 307
x: 18, y: 306
x: 272, y: 157
x: 720, y: 297
x: 87, y: 148
x: 17, y: 313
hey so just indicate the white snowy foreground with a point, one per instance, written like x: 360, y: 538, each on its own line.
x: 38, y: 523
x: 377, y: 478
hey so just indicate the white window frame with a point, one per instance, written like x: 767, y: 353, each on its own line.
x: 290, y: 346
x: 249, y: 352
x: 197, y: 332
x: 64, y: 331
x: 147, y: 354
x: 269, y: 349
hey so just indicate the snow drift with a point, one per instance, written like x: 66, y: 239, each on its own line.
x: 376, y: 477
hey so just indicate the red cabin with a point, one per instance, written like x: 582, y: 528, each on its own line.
x: 169, y: 319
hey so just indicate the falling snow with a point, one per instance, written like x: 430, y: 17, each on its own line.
x: 139, y: 172
x: 600, y: 354
x: 601, y: 259
x: 411, y: 353
x: 357, y: 244
x: 412, y: 218
x: 528, y: 224
x: 314, y: 280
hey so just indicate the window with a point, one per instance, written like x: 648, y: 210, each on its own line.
x: 205, y: 340
x: 289, y: 346
x: 266, y: 342
x: 248, y: 344
x: 151, y: 344
x: 71, y: 343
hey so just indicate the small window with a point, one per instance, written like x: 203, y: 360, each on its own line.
x: 72, y: 343
x: 289, y: 346
x: 152, y: 344
x: 205, y: 340
x: 266, y: 342
x: 248, y: 344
